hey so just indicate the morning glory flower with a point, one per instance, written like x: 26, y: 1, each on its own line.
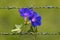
x: 30, y: 15
x: 35, y: 19
x: 25, y: 12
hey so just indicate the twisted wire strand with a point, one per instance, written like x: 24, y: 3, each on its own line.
x: 5, y: 33
x: 11, y: 7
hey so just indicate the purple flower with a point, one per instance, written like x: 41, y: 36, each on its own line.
x: 35, y: 19
x: 25, y: 12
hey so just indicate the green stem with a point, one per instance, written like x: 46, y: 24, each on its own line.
x: 35, y: 29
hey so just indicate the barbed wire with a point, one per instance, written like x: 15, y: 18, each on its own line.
x: 44, y: 33
x: 11, y: 7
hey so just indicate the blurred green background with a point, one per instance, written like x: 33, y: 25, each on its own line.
x: 50, y: 18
